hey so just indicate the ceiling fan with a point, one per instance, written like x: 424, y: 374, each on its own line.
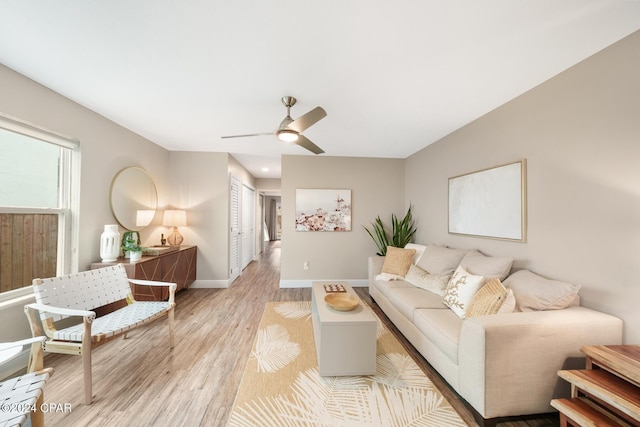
x: 290, y: 129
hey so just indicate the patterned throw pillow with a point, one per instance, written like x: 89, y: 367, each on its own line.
x: 460, y: 291
x: 397, y: 261
x: 489, y: 299
x: 429, y: 282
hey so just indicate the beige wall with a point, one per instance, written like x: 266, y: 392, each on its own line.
x: 200, y: 184
x: 377, y: 188
x: 105, y: 147
x: 580, y: 134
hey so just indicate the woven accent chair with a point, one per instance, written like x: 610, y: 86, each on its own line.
x: 20, y: 395
x: 78, y: 294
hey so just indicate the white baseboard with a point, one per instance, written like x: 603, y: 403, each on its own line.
x: 209, y: 284
x: 354, y: 283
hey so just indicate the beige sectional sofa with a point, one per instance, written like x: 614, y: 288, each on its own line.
x: 502, y: 364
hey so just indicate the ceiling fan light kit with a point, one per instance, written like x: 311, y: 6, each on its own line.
x: 287, y: 135
x: 290, y: 129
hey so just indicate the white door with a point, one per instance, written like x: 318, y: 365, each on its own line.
x: 234, y: 233
x: 248, y: 224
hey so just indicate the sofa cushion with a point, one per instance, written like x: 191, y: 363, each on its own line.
x: 488, y: 300
x: 397, y: 261
x: 440, y: 259
x: 534, y: 292
x: 383, y: 286
x: 429, y: 282
x: 488, y: 266
x: 419, y: 250
x: 460, y: 291
x: 442, y: 328
x: 408, y: 300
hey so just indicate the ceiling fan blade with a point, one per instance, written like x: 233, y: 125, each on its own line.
x: 304, y: 142
x: 249, y: 134
x: 306, y: 120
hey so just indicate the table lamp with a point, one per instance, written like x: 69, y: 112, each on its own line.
x: 174, y: 218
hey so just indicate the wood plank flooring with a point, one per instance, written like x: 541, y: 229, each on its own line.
x: 138, y: 381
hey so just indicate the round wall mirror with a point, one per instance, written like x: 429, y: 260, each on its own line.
x: 134, y: 198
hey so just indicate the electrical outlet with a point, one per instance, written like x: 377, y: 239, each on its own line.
x: 305, y: 265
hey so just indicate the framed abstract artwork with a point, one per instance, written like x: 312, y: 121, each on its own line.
x: 323, y: 210
x: 490, y: 202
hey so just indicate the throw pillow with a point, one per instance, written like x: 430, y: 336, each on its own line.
x: 429, y: 282
x: 398, y: 261
x: 419, y: 250
x: 488, y: 266
x: 489, y: 299
x: 440, y: 259
x: 534, y: 292
x: 509, y: 303
x: 460, y: 291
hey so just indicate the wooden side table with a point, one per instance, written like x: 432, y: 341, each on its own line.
x: 607, y: 393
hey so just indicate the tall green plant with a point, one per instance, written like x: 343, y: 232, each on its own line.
x: 402, y: 232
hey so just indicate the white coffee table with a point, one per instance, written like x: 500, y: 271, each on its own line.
x: 345, y: 340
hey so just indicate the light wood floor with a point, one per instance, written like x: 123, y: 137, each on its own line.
x: 140, y: 382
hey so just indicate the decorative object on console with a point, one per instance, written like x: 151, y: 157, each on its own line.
x: 131, y: 244
x: 175, y: 219
x: 490, y: 203
x: 109, y: 240
x: 401, y: 232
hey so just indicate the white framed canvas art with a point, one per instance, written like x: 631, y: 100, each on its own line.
x: 323, y: 210
x: 490, y: 203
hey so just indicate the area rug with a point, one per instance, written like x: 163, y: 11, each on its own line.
x: 281, y: 385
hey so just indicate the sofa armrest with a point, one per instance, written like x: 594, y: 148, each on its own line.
x: 512, y: 360
x: 375, y: 267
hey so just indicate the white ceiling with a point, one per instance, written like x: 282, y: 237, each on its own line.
x: 393, y: 77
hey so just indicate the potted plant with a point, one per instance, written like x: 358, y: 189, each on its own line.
x: 402, y: 232
x: 131, y: 245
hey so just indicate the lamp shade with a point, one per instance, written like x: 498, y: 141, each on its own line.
x: 174, y: 218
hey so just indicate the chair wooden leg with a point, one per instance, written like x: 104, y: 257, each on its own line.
x: 86, y: 363
x: 37, y: 416
x: 171, y: 328
x: 86, y: 367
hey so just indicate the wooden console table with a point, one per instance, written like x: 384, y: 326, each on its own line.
x: 607, y: 393
x: 178, y: 267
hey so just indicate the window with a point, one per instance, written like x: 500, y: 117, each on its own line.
x: 39, y: 173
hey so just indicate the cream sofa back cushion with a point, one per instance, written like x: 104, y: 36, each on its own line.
x: 534, y: 292
x: 440, y: 260
x: 488, y: 266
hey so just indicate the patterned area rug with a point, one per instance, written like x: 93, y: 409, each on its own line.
x: 281, y: 385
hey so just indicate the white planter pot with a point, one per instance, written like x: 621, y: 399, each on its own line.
x: 110, y: 243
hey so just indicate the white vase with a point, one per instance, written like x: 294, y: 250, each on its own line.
x: 110, y: 243
x: 135, y: 255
